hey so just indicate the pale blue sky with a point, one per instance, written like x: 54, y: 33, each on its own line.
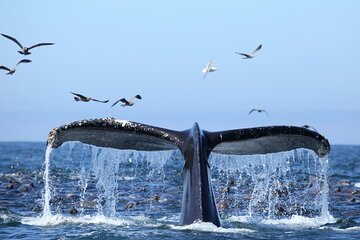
x: 307, y: 72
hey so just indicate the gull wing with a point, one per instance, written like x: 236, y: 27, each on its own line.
x: 5, y: 68
x: 13, y: 39
x: 244, y: 54
x: 40, y: 44
x: 115, y: 103
x: 100, y: 100
x: 257, y: 49
x: 252, y: 110
x: 133, y: 99
x: 205, y: 73
x: 78, y: 95
x: 263, y: 110
x: 23, y: 61
x: 124, y: 101
x: 210, y: 64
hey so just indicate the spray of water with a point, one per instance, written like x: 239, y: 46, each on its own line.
x: 47, y: 192
x: 272, y: 186
x: 100, y: 176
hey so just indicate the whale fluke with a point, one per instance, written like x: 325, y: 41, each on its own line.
x: 198, y: 201
x: 262, y: 140
x: 122, y: 134
x: 118, y: 134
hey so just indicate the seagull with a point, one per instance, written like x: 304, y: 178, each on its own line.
x: 209, y: 68
x: 309, y: 127
x: 258, y: 110
x: 13, y: 69
x: 128, y: 102
x: 79, y: 97
x: 250, y: 55
x: 25, y: 50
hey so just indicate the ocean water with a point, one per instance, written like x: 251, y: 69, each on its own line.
x: 83, y: 192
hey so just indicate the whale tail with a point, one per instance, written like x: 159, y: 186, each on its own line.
x: 198, y: 201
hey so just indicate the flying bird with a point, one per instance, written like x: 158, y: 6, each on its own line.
x: 13, y: 69
x: 127, y: 102
x: 82, y: 98
x: 25, y: 50
x: 309, y: 127
x: 209, y: 68
x: 258, y: 110
x: 250, y: 55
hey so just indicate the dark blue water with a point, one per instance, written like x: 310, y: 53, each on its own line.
x: 96, y: 193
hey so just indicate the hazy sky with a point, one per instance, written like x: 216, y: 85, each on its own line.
x: 308, y: 71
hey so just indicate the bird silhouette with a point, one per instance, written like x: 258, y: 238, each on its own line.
x: 309, y: 127
x: 82, y: 98
x: 13, y: 69
x: 25, y: 50
x: 250, y: 55
x: 209, y: 68
x: 127, y: 102
x: 258, y: 110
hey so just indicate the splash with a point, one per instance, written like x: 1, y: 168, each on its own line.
x: 210, y: 227
x: 282, y: 189
x: 272, y: 187
x: 57, y: 219
x: 83, y: 180
x: 104, y: 168
x: 299, y: 222
x: 46, y: 178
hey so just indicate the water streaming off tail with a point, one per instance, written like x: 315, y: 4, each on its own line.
x: 271, y: 186
x: 47, y: 192
x: 85, y: 180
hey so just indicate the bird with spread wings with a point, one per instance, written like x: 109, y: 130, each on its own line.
x: 25, y: 50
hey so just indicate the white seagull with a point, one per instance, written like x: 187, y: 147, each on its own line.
x: 250, y: 55
x: 13, y: 69
x: 209, y: 68
x: 128, y: 102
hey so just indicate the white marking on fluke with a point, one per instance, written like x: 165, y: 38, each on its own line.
x: 122, y: 122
